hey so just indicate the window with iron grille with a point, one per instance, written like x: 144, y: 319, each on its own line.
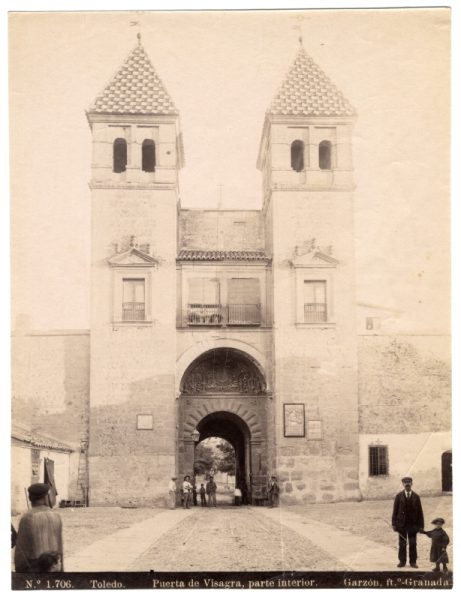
x: 315, y: 301
x: 134, y: 300
x: 378, y: 461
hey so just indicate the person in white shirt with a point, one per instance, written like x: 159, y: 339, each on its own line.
x: 237, y: 496
x: 172, y: 493
x: 186, y: 492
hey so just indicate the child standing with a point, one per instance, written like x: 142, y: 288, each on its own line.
x: 440, y: 541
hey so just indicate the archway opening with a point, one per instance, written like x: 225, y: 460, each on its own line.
x: 223, y: 395
x: 219, y: 431
x: 214, y: 457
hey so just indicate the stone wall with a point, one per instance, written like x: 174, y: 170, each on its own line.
x: 221, y: 230
x: 404, y: 383
x: 315, y: 364
x: 405, y: 405
x: 132, y: 363
x: 50, y: 383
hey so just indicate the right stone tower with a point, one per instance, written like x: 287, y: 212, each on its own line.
x: 306, y: 160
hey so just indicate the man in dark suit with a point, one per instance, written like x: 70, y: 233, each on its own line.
x: 407, y: 520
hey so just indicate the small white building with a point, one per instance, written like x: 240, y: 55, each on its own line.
x: 28, y: 453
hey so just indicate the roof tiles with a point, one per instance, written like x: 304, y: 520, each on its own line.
x: 222, y: 255
x: 307, y: 91
x: 135, y: 89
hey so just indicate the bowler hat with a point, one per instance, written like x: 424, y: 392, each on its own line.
x: 438, y: 520
x: 407, y: 480
x: 38, y: 490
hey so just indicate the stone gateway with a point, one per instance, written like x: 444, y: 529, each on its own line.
x: 238, y: 324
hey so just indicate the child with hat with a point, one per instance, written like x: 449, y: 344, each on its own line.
x: 440, y: 541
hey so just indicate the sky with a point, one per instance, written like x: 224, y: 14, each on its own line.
x: 222, y: 70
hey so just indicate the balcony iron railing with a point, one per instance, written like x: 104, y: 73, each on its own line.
x: 133, y: 311
x: 315, y: 312
x: 217, y: 314
x: 204, y: 314
x: 244, y: 314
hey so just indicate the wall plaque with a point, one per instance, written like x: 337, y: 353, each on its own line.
x: 145, y: 422
x: 293, y: 420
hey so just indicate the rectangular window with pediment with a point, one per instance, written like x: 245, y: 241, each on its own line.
x: 315, y: 301
x: 134, y: 299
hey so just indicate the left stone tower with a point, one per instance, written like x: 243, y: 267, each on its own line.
x: 137, y: 154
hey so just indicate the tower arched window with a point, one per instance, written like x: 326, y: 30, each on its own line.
x: 148, y: 156
x: 120, y: 155
x: 325, y: 154
x: 297, y: 155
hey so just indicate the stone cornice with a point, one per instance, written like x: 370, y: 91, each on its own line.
x: 93, y: 185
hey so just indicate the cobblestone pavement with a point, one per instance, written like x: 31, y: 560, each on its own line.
x: 233, y: 539
x: 244, y: 538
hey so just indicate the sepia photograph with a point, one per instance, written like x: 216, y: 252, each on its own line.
x: 230, y: 294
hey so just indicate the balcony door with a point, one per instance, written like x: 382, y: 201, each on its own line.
x: 244, y: 301
x: 204, y: 306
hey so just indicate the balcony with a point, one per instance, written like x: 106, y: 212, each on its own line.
x: 222, y: 316
x: 244, y: 314
x: 315, y: 312
x: 133, y: 311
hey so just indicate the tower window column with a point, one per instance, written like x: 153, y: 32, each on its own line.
x: 325, y: 154
x: 297, y: 155
x: 120, y: 155
x: 148, y: 156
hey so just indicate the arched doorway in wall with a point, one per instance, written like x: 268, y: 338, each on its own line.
x: 447, y: 472
x: 223, y: 394
x: 215, y: 430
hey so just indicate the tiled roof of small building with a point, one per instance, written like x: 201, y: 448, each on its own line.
x: 307, y: 91
x: 135, y: 89
x: 39, y: 441
x: 221, y: 255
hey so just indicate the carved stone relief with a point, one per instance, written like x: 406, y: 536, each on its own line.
x: 223, y: 371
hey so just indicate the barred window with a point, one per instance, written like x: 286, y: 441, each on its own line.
x: 315, y: 301
x: 378, y: 461
x: 134, y: 307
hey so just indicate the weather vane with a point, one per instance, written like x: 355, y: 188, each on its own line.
x: 136, y: 24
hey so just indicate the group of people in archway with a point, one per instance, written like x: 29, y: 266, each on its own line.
x: 187, y: 494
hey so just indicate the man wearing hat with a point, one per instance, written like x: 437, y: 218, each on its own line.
x: 39, y: 531
x: 407, y: 520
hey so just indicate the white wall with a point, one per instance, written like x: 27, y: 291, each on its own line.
x: 417, y: 455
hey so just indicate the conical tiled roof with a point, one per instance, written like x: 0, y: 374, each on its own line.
x: 307, y: 91
x: 135, y: 89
